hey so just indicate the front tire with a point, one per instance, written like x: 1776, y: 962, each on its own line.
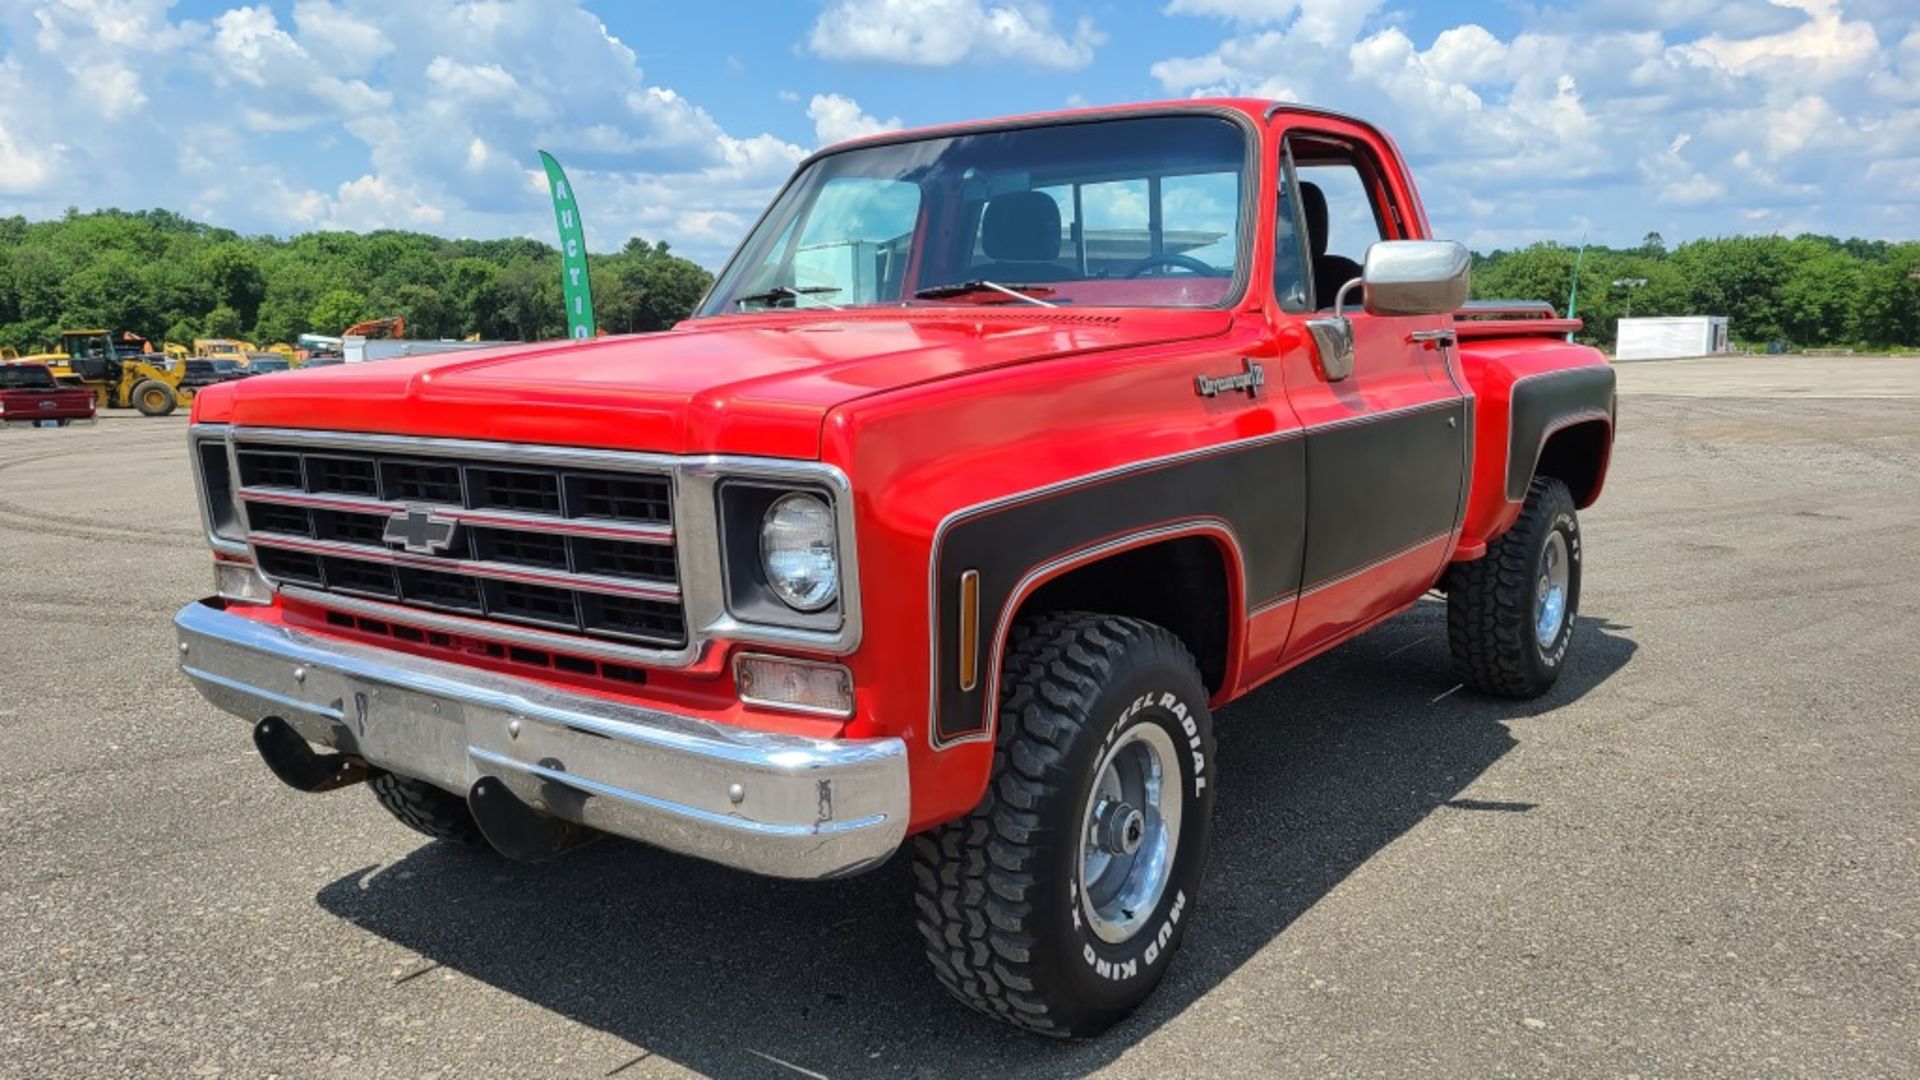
x: 1057, y: 903
x: 1511, y: 612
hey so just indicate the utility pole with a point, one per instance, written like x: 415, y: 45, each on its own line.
x: 1629, y: 284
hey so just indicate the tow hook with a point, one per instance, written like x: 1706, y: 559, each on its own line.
x: 294, y: 761
x: 522, y: 832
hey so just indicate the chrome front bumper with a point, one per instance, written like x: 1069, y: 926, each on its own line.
x: 772, y: 804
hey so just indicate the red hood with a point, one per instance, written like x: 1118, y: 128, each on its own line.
x: 726, y: 385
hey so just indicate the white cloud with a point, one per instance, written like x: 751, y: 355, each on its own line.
x: 942, y: 33
x: 837, y: 119
x: 21, y: 171
x: 1466, y: 54
x: 375, y: 202
x: 1681, y: 116
x: 1823, y: 47
x: 1241, y: 11
x: 420, y: 115
x: 278, y: 117
x: 352, y: 46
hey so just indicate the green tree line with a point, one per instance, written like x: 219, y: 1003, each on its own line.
x: 1805, y: 291
x: 168, y: 278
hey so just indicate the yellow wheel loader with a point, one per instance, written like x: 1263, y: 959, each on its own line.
x: 121, y: 369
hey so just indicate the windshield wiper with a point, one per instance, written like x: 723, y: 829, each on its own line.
x: 787, y: 292
x: 1018, y: 290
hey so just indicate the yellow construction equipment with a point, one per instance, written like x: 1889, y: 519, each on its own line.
x: 121, y: 369
x: 223, y: 349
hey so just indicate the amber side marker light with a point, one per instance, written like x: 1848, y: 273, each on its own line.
x: 969, y: 629
x: 803, y: 686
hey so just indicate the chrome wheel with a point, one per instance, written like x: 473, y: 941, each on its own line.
x: 1129, y: 833
x: 1550, y: 592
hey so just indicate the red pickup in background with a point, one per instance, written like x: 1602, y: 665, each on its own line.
x: 29, y: 394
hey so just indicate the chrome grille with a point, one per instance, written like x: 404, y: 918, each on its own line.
x: 579, y: 551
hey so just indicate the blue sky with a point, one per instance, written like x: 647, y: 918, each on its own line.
x: 1524, y: 121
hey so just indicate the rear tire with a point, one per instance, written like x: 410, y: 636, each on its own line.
x: 1034, y: 908
x: 154, y: 398
x: 1511, y: 612
x: 427, y: 809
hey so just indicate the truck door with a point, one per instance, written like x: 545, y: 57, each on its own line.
x: 1386, y: 445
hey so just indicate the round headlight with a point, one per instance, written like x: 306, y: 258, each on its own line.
x: 798, y: 549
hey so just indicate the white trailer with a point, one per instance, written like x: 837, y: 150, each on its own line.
x: 1667, y: 338
x: 356, y: 348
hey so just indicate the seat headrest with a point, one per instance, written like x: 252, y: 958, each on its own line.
x: 1313, y: 205
x: 1021, y: 226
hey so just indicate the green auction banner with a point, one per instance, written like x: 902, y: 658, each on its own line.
x: 575, y: 284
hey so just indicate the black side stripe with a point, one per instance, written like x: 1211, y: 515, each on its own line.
x: 1255, y: 488
x: 1402, y: 469
x: 1378, y: 487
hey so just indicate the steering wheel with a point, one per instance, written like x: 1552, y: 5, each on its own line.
x: 1184, y: 262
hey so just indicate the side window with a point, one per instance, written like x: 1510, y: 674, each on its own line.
x: 1352, y: 224
x: 854, y: 244
x: 1338, y: 209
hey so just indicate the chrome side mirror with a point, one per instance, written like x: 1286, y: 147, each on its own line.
x: 1415, y: 277
x: 1401, y: 277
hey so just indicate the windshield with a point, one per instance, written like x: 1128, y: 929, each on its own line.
x: 26, y: 377
x: 1134, y: 212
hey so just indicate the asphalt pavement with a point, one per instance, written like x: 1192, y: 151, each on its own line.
x: 1699, y: 856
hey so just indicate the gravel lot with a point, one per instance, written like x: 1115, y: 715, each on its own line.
x: 1700, y: 856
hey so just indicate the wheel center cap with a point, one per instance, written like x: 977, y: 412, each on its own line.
x: 1119, y: 828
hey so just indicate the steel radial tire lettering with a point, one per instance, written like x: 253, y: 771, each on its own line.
x: 1491, y: 601
x: 997, y: 892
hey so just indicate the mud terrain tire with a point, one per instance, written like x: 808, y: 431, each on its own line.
x: 1011, y: 915
x: 1494, y: 603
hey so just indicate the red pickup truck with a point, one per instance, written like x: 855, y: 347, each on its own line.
x: 29, y: 394
x: 1000, y: 458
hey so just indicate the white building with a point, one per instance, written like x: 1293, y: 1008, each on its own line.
x: 1666, y: 338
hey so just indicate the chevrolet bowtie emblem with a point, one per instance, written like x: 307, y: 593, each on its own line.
x: 421, y: 531
x: 1249, y: 380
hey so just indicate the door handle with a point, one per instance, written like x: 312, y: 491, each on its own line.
x: 1441, y: 337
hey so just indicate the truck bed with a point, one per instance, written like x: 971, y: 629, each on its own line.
x: 1479, y: 319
